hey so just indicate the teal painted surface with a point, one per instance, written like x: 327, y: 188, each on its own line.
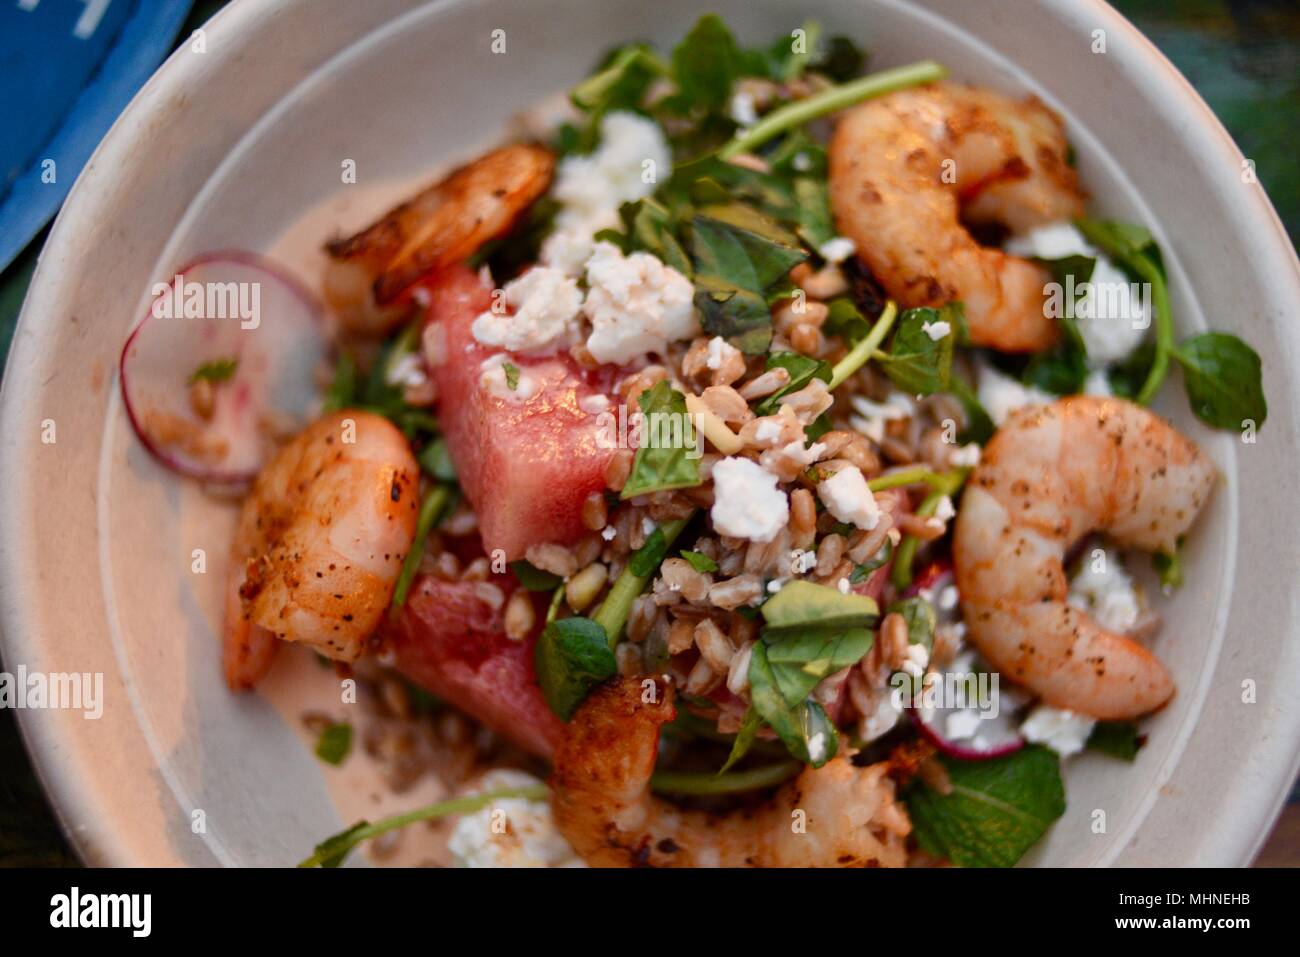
x: 1243, y: 56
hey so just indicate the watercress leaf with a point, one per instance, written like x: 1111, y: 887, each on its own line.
x: 332, y: 851
x: 700, y: 562
x: 342, y: 392
x: 572, y: 657
x: 621, y: 83
x: 979, y: 424
x: 740, y: 316
x: 788, y: 56
x: 215, y: 370
x: 706, y: 64
x: 435, y: 459
x: 816, y: 227
x: 749, y: 726
x: 1223, y: 380
x: 844, y: 319
x: 533, y: 578
x: 805, y: 603
x: 804, y: 729
x: 666, y: 457
x: 1126, y: 378
x: 651, y: 227
x: 800, y: 661
x: 797, y: 154
x: 920, y: 617
x: 1169, y: 567
x: 734, y: 245
x: 842, y: 60
x: 334, y: 743
x: 996, y: 810
x: 1119, y: 739
x: 1120, y: 240
x: 512, y: 375
x: 917, y: 363
x: 862, y: 572
x: 803, y: 369
x: 1061, y: 370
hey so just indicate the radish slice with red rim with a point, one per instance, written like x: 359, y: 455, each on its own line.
x: 965, y: 714
x: 254, y: 333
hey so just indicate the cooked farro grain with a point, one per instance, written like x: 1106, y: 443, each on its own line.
x: 628, y: 658
x: 447, y: 567
x: 631, y: 388
x: 898, y: 451
x: 826, y: 283
x: 742, y: 629
x: 582, y: 355
x: 479, y: 570
x: 727, y: 404
x: 809, y: 402
x: 893, y: 640
x: 738, y: 671
x: 490, y: 595
x: 734, y: 592
x: 797, y: 312
x: 595, y: 513
x: 829, y: 552
x: 925, y: 529
x: 463, y: 521
x: 702, y: 678
x: 807, y: 339
x: 520, y: 615
x: 552, y: 558
x: 618, y: 469
x: 765, y: 384
x: 396, y: 699
x: 681, y: 577
x: 768, y: 558
x: 866, y: 543
x: 642, y: 617
x: 587, y: 549
x: 666, y: 506
x: 714, y: 645
x: 803, y: 519
x: 935, y: 776
x: 681, y: 635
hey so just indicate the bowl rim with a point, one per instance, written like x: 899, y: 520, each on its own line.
x: 78, y: 808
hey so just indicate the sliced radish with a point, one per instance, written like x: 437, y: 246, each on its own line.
x: 227, y: 306
x: 967, y: 729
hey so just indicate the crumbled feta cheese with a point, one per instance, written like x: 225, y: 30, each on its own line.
x: 545, y: 302
x: 1001, y: 395
x: 408, y: 371
x: 881, y: 721
x: 1097, y: 383
x: 801, y: 562
x: 609, y: 533
x: 918, y: 658
x: 944, y: 511
x: 648, y: 525
x: 1063, y: 731
x: 871, y: 416
x: 768, y: 429
x: 847, y: 496
x: 633, y: 154
x: 775, y: 585
x: 1111, y: 320
x: 593, y: 404
x: 512, y: 832
x: 817, y: 747
x: 1106, y: 591
x: 802, y: 162
x: 844, y: 586
x: 494, y: 376
x: 948, y: 598
x: 936, y: 330
x: 719, y: 353
x: 837, y: 250
x: 743, y: 108
x: 569, y: 247
x: 747, y: 501
x: 968, y: 456
x: 636, y: 305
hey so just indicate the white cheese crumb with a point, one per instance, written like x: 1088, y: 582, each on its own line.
x: 961, y: 724
x: 593, y: 404
x: 948, y: 598
x: 748, y: 502
x: 408, y: 371
x: 871, y: 416
x: 843, y: 585
x: 817, y: 747
x: 609, y: 533
x: 545, y: 302
x: 1001, y: 395
x: 944, y: 511
x: 801, y: 562
x: 633, y: 154
x: 636, y: 305
x: 968, y: 456
x: 512, y: 832
x: 1106, y: 591
x: 743, y: 109
x: 887, y: 713
x: 847, y: 496
x: 648, y: 525
x: 719, y: 353
x: 837, y: 250
x: 1063, y: 731
x: 775, y: 585
x: 936, y: 330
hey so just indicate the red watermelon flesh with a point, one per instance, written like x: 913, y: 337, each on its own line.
x: 525, y: 464
x: 450, y: 641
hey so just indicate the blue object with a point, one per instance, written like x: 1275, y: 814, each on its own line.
x: 67, y: 69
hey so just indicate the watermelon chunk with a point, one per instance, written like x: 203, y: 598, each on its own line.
x: 528, y: 457
x: 450, y: 641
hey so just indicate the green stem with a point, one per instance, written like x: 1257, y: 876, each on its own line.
x: 557, y: 598
x: 829, y: 101
x: 330, y: 851
x: 614, y: 610
x: 435, y: 501
x: 860, y: 353
x: 946, y: 483
x: 1164, y: 319
x: 903, y: 477
x: 733, y: 782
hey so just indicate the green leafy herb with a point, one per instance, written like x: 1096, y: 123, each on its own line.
x: 862, y: 572
x: 745, y: 737
x: 665, y: 458
x: 342, y: 391
x: 700, y: 562
x: 996, y: 811
x: 803, y: 728
x: 614, y: 610
x: 803, y: 604
x: 651, y: 227
x: 920, y: 617
x: 802, y: 369
x: 799, y: 661
x: 435, y: 460
x: 1223, y: 380
x: 432, y: 508
x: 979, y: 424
x: 533, y: 578
x: 573, y: 655
x: 650, y: 555
x: 1119, y: 739
x: 621, y: 83
x: 1169, y: 567
x: 334, y: 743
x: 841, y: 61
x: 844, y: 319
x: 917, y: 363
x: 706, y: 64
x: 333, y: 850
x: 215, y: 370
x: 512, y: 375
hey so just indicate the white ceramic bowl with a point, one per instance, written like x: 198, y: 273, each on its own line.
x: 226, y: 147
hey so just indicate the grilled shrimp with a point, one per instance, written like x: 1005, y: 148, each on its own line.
x: 908, y: 169
x: 440, y: 227
x: 1051, y: 475
x: 603, y: 805
x: 320, y: 542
